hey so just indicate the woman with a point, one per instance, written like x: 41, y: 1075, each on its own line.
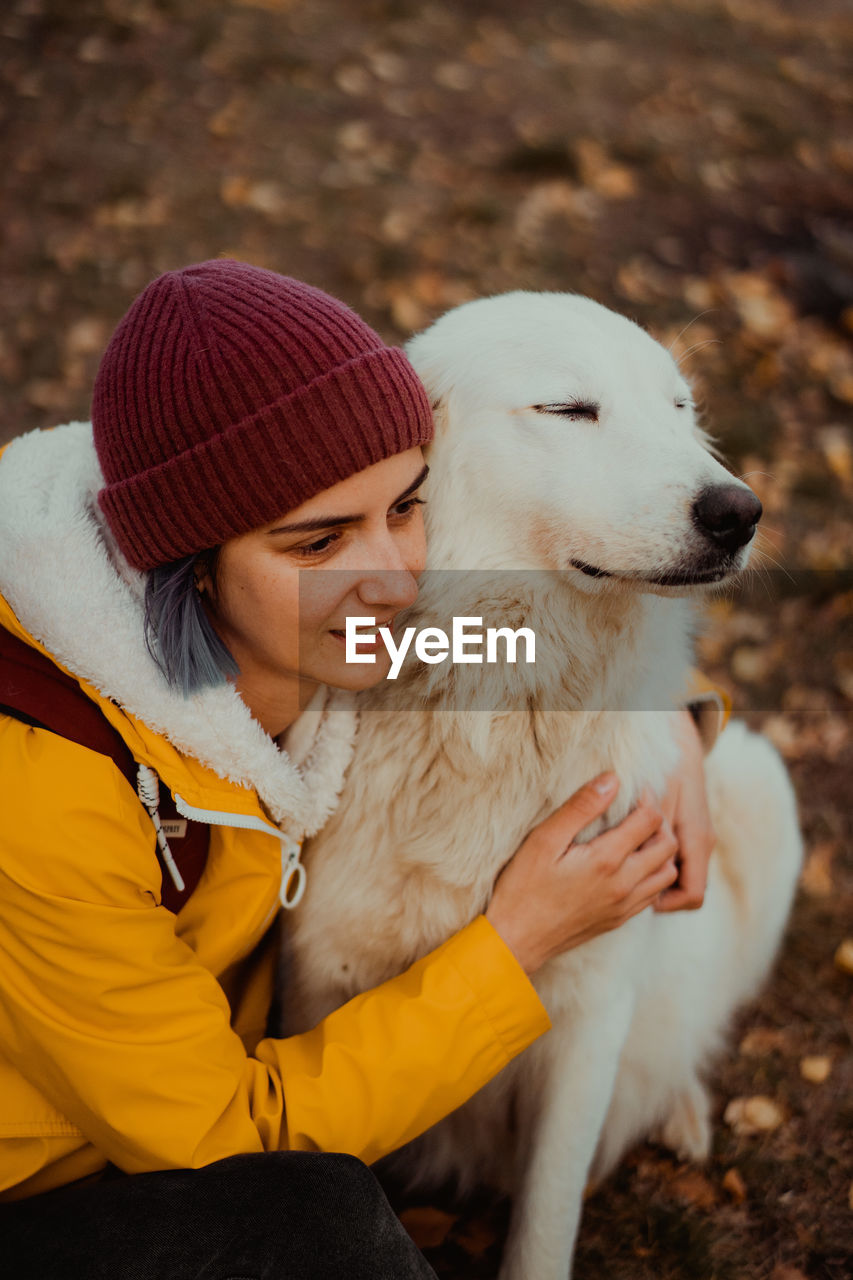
x: 246, y: 429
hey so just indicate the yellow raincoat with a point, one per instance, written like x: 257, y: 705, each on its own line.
x: 132, y: 1035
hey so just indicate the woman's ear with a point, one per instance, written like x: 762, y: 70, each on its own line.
x: 204, y: 573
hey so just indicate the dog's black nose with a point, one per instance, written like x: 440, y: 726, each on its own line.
x: 728, y: 514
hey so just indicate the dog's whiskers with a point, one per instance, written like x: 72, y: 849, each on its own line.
x: 766, y: 532
x: 681, y: 333
x: 708, y: 342
x: 765, y: 555
x: 761, y: 573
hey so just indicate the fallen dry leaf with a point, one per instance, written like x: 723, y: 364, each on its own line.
x: 844, y: 956
x: 750, y: 663
x: 692, y: 1187
x: 762, y: 309
x: 353, y: 79
x: 546, y: 202
x: 134, y: 213
x: 836, y: 448
x: 616, y: 182
x: 355, y: 135
x: 815, y: 1068
x: 266, y: 198
x: 735, y: 1186
x: 613, y: 181
x: 455, y: 76
x: 762, y: 1040
x: 46, y: 393
x: 86, y: 336
x: 427, y: 1226
x: 477, y: 1237
x: 782, y: 1271
x: 816, y: 875
x: 784, y: 735
x: 406, y: 311
x: 230, y: 119
x: 758, y: 1114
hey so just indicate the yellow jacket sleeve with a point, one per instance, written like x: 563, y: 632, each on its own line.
x: 410, y: 1051
x: 114, y: 1020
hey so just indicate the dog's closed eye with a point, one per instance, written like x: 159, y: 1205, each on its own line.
x: 586, y: 409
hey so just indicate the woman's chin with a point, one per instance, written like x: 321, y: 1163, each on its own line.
x: 351, y: 676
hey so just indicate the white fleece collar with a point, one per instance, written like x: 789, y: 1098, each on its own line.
x: 77, y: 596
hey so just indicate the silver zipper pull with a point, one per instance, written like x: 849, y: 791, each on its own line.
x: 293, y: 875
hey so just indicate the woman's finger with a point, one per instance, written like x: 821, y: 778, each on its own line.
x: 628, y: 837
x: 582, y: 808
x: 651, y: 858
x: 647, y: 892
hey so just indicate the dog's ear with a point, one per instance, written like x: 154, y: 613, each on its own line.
x: 432, y: 361
x: 428, y: 355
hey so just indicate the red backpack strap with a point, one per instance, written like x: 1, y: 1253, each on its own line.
x: 32, y: 688
x: 35, y: 691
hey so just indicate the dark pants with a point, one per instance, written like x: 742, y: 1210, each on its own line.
x: 277, y: 1216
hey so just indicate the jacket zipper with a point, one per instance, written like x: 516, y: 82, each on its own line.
x: 293, y: 875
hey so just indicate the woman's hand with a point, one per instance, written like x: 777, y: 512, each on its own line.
x: 553, y: 894
x: 685, y: 807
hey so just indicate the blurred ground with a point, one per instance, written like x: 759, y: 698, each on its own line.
x: 689, y: 162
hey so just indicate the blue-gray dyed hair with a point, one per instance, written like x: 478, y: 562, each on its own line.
x: 178, y: 633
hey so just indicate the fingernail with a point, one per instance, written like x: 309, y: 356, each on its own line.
x: 605, y: 784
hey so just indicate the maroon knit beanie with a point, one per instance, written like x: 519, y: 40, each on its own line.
x: 229, y: 395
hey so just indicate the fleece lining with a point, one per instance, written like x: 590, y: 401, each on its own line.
x: 70, y: 587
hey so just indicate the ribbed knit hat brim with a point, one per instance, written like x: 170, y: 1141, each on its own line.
x: 230, y: 395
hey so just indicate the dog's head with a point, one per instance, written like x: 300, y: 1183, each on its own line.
x: 568, y: 437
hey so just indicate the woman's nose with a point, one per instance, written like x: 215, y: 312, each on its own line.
x: 392, y: 564
x: 392, y: 589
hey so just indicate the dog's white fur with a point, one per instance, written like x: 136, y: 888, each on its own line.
x: 438, y: 799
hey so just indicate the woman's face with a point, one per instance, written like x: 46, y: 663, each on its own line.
x: 283, y: 592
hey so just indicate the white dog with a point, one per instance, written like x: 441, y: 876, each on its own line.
x: 566, y: 443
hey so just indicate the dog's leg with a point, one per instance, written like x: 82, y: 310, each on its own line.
x: 576, y: 1070
x: 700, y: 966
x: 759, y: 849
x: 687, y: 1129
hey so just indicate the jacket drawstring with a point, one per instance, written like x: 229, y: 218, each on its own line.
x: 148, y: 789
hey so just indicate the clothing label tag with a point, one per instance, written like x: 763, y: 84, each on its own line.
x: 174, y: 828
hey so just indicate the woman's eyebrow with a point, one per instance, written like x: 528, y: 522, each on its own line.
x: 416, y: 484
x: 326, y: 522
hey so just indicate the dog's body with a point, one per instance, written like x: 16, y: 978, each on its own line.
x: 565, y: 443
